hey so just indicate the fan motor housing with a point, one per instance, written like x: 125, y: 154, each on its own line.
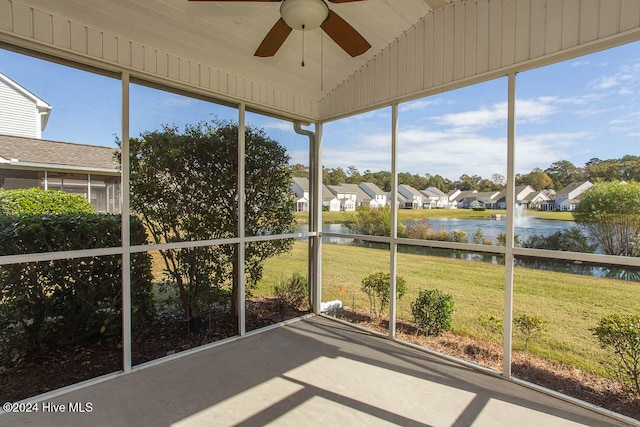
x: 304, y: 14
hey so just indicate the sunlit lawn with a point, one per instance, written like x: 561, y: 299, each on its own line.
x: 571, y: 304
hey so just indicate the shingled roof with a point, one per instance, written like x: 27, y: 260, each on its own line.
x: 39, y: 152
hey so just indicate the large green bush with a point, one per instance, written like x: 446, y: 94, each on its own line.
x: 620, y: 334
x: 373, y: 222
x: 34, y: 201
x: 432, y: 311
x: 67, y: 301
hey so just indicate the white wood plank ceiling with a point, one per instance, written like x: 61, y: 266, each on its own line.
x: 418, y: 46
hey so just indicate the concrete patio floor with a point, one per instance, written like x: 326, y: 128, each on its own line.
x: 309, y: 373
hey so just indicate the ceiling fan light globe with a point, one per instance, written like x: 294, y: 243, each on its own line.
x: 304, y: 14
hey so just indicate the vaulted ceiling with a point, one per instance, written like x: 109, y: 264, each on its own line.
x: 418, y: 46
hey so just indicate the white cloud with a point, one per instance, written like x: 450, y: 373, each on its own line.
x: 420, y: 104
x: 527, y: 110
x: 625, y: 77
x: 278, y: 125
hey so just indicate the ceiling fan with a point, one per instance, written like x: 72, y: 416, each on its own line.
x: 308, y: 15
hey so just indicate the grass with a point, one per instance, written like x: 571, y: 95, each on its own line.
x: 571, y: 304
x: 408, y: 214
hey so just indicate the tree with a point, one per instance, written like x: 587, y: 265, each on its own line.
x: 530, y: 327
x: 498, y: 180
x: 563, y: 173
x: 333, y: 176
x: 377, y: 286
x: 537, y: 178
x: 184, y: 188
x: 441, y: 183
x: 300, y: 171
x: 610, y: 212
x: 353, y: 175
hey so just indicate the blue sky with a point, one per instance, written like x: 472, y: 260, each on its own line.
x: 576, y: 110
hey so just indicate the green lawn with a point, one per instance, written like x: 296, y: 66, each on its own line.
x: 571, y: 304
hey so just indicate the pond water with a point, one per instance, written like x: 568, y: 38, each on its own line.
x: 491, y: 228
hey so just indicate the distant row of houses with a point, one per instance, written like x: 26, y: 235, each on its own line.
x: 349, y: 197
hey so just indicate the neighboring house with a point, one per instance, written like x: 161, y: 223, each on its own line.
x: 21, y: 112
x: 474, y: 199
x: 88, y: 170
x: 362, y: 198
x: 329, y: 201
x: 347, y: 198
x: 28, y: 161
x: 453, y: 198
x: 300, y: 188
x: 378, y: 196
x: 569, y: 197
x: 435, y: 198
x: 412, y: 197
x: 525, y: 196
x: 535, y: 200
x: 550, y: 203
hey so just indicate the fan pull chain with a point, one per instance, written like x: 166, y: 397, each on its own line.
x: 302, y: 45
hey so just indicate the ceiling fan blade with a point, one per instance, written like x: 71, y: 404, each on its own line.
x: 345, y: 35
x: 274, y: 39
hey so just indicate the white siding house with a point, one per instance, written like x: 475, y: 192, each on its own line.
x: 569, y: 197
x: 379, y: 197
x: 348, y: 198
x: 21, y: 112
x: 413, y: 197
x: 300, y: 188
x: 329, y: 201
x: 435, y: 198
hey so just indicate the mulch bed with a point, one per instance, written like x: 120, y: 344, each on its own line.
x: 565, y: 379
x: 49, y: 369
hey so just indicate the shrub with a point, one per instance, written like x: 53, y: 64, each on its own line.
x: 571, y: 239
x: 68, y: 301
x: 478, y: 238
x: 620, y: 334
x: 34, y: 201
x: 432, y: 311
x: 292, y: 292
x: 491, y: 324
x: 459, y: 236
x: 377, y: 286
x: 530, y: 327
x: 421, y: 229
x: 373, y: 222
